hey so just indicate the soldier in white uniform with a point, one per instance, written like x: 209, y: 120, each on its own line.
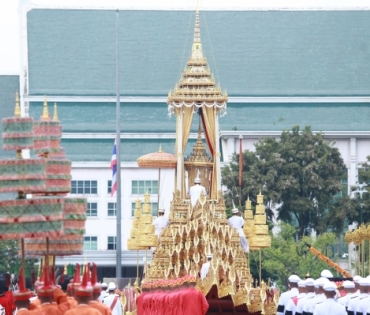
x: 310, y: 294
x: 113, y: 300
x: 349, y: 288
x: 104, y: 292
x: 326, y: 274
x: 160, y: 222
x: 329, y: 306
x: 196, y: 190
x: 319, y: 298
x: 237, y: 222
x: 355, y: 298
x: 286, y: 296
x: 205, y: 267
x: 364, y: 298
x: 291, y: 306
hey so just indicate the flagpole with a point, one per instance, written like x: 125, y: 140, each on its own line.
x: 118, y: 154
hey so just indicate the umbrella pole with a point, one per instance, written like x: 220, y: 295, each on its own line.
x: 159, y: 188
x: 23, y: 263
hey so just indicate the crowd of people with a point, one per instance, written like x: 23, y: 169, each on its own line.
x: 84, y: 296
x: 324, y: 296
x: 171, y: 297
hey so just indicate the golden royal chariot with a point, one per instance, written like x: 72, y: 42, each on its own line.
x: 196, y: 231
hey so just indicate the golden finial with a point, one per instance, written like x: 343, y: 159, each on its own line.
x: 55, y: 116
x: 160, y: 148
x: 17, y: 111
x: 197, y: 5
x: 45, y: 112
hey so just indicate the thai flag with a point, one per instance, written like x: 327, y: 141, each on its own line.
x: 113, y: 166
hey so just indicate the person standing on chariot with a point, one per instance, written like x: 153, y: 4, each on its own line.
x: 237, y: 222
x: 160, y: 222
x: 196, y: 190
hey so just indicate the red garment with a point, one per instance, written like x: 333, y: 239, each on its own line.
x: 140, y: 304
x: 7, y: 302
x: 175, y: 299
x: 82, y: 309
x: 146, y: 303
x: 72, y: 302
x: 194, y: 302
x: 103, y: 309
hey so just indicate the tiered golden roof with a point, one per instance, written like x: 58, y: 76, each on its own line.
x: 197, y: 86
x: 142, y: 232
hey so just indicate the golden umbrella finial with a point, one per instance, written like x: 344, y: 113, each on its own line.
x: 55, y: 116
x: 45, y: 112
x: 17, y: 110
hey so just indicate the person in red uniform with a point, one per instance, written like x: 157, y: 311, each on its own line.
x: 22, y: 298
x: 83, y: 296
x: 95, y: 303
x: 6, y: 297
x: 46, y: 295
x: 195, y: 302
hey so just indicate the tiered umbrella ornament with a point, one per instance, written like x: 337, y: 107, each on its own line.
x: 31, y: 217
x: 48, y: 134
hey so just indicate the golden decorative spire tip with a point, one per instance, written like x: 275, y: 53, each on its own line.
x: 45, y: 112
x: 55, y: 116
x: 160, y: 148
x: 17, y: 110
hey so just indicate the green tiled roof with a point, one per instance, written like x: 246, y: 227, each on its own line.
x: 9, y: 84
x: 88, y: 150
x: 152, y: 118
x: 72, y: 52
x: 280, y: 116
x: 100, y: 117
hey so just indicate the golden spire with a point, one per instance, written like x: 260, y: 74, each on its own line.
x: 17, y: 110
x: 55, y: 116
x: 197, y: 51
x: 160, y: 148
x: 45, y: 112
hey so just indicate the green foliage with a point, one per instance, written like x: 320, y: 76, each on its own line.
x: 10, y: 260
x: 364, y: 177
x: 299, y: 175
x: 286, y: 256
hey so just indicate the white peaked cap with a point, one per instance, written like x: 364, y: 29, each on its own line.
x: 161, y: 210
x: 235, y: 209
x: 356, y: 279
x: 111, y: 286
x: 302, y: 283
x: 330, y: 286
x: 104, y: 285
x: 348, y: 284
x: 322, y: 281
x: 364, y: 282
x: 294, y: 279
x: 309, y: 282
x: 326, y: 273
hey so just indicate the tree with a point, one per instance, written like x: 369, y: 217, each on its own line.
x: 10, y: 260
x: 299, y: 175
x: 363, y: 204
x: 287, y: 257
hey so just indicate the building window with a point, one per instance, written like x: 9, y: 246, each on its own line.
x: 92, y: 209
x: 84, y: 187
x: 109, y: 187
x: 90, y: 243
x: 153, y: 204
x: 112, y: 209
x: 112, y: 245
x: 141, y: 187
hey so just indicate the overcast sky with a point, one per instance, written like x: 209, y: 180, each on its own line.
x: 9, y: 19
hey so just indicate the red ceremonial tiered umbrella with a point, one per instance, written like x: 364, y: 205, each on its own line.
x: 31, y: 217
x: 58, y: 182
x: 158, y: 160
